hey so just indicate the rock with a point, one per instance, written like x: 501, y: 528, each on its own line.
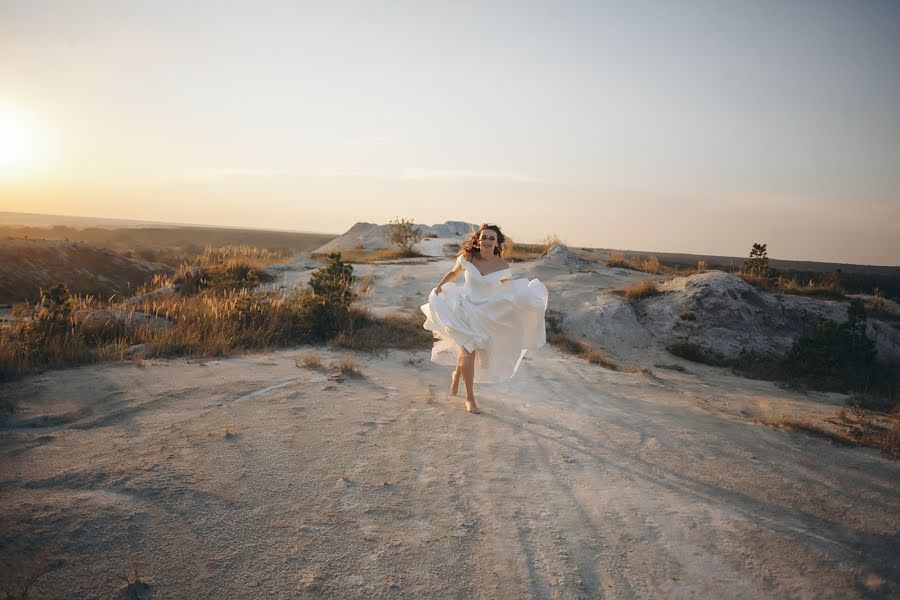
x: 560, y: 256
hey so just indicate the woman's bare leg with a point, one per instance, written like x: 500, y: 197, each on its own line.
x: 454, y: 379
x: 468, y: 375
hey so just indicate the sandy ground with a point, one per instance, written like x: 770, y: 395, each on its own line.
x: 252, y: 477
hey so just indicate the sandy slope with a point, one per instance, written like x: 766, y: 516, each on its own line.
x: 576, y: 481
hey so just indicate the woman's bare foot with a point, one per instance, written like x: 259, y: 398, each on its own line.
x: 471, y: 407
x: 454, y: 381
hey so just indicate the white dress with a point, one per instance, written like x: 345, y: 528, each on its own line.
x: 497, y: 317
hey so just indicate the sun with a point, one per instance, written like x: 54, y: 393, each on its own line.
x: 21, y: 145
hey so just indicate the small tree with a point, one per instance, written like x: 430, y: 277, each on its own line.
x: 333, y: 283
x: 329, y: 308
x: 758, y: 264
x: 405, y: 234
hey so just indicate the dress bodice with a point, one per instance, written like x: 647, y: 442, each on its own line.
x: 482, y: 286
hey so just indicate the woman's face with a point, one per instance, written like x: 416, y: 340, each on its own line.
x: 487, y: 239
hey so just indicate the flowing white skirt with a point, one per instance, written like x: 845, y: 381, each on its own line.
x: 499, y: 327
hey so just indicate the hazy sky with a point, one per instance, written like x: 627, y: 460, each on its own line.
x: 695, y: 126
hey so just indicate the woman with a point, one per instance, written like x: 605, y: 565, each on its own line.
x: 485, y: 326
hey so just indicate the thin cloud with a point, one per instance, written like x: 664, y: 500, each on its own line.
x: 469, y: 174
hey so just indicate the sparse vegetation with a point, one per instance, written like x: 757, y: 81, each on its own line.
x: 348, y: 368
x: 405, y: 234
x: 309, y: 361
x: 211, y: 322
x: 516, y: 252
x: 687, y: 315
x: 638, y: 291
x: 617, y: 260
x: 641, y: 370
x: 566, y: 343
x: 368, y: 334
x: 832, y: 356
x: 855, y: 428
x: 550, y: 241
x: 362, y: 256
x: 173, y: 246
x: 758, y: 264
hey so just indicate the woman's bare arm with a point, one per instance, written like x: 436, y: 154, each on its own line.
x: 448, y: 277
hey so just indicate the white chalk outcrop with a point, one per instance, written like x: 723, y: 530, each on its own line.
x: 718, y: 312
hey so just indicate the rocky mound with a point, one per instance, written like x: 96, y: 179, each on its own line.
x: 720, y: 314
x: 26, y: 266
x: 560, y: 256
x: 369, y: 236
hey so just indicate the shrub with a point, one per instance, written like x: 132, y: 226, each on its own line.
x: 840, y: 357
x: 404, y: 234
x: 367, y: 334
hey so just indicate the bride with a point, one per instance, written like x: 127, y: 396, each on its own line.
x: 484, y: 326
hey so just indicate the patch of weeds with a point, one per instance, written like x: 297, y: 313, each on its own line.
x: 348, y: 368
x: 370, y: 334
x: 687, y: 315
x: 310, y: 360
x: 638, y: 291
x: 858, y: 428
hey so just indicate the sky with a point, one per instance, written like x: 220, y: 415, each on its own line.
x: 700, y: 126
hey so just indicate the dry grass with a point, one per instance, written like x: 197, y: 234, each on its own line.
x: 652, y: 264
x: 641, y: 370
x: 687, y: 315
x: 566, y: 343
x: 515, y: 252
x: 210, y: 323
x: 617, y: 259
x: 365, y: 284
x: 368, y: 334
x: 348, y: 368
x: 362, y: 256
x: 309, y: 361
x: 829, y: 290
x: 638, y: 291
x: 550, y: 241
x: 853, y: 428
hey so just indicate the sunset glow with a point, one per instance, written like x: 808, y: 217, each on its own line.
x: 700, y: 128
x: 22, y: 151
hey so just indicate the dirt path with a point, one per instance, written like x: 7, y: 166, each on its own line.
x: 575, y: 482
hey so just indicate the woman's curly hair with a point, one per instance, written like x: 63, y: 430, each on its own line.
x: 472, y: 245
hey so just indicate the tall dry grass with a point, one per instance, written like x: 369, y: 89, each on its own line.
x: 638, y: 291
x: 362, y: 256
